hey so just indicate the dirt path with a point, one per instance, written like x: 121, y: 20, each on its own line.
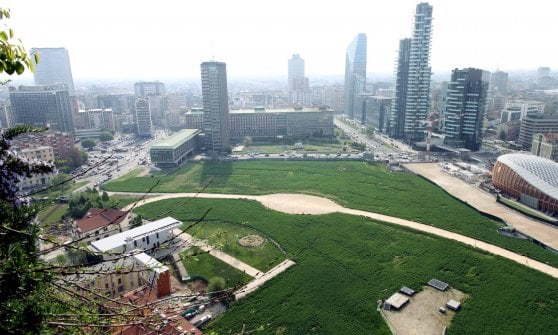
x: 306, y: 204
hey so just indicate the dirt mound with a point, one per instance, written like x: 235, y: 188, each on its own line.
x: 251, y: 241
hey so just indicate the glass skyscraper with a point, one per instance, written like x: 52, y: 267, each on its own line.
x: 53, y: 68
x: 355, y: 74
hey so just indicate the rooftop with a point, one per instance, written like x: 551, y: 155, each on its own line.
x: 97, y: 218
x: 118, y: 240
x: 397, y: 300
x: 540, y: 172
x: 176, y: 139
x: 280, y: 110
x: 149, y: 262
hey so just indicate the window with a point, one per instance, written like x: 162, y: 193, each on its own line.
x: 135, y: 243
x: 106, y: 285
x: 119, y: 281
x: 157, y: 234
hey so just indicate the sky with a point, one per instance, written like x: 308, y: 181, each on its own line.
x: 158, y: 40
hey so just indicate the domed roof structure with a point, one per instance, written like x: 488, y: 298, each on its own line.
x: 539, y: 172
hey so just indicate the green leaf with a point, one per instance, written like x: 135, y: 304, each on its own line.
x: 19, y: 68
x: 11, y: 33
x: 36, y: 56
x: 3, y: 36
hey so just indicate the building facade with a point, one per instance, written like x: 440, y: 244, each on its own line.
x: 38, y: 180
x: 99, y: 223
x: 545, y: 145
x: 377, y: 112
x: 355, y: 73
x: 299, y: 91
x: 144, y: 126
x: 397, y: 116
x: 173, y: 150
x: 215, y: 106
x: 465, y: 108
x: 42, y: 106
x: 532, y: 124
x: 61, y: 143
x: 499, y: 82
x: 53, y: 68
x: 417, y: 106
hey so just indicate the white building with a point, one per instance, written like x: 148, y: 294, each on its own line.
x: 148, y: 237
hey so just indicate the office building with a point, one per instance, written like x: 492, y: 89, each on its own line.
x: 42, y: 106
x: 101, y: 119
x: 545, y: 145
x: 499, y: 83
x: 155, y: 93
x: 173, y: 150
x: 355, y: 74
x: 465, y: 109
x: 397, y: 117
x: 61, y: 143
x: 298, y: 83
x: 144, y: 126
x: 53, y: 68
x: 215, y: 106
x: 377, y: 111
x: 532, y: 124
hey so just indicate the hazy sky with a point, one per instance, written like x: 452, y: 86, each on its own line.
x: 137, y: 39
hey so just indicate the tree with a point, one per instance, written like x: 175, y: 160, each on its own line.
x: 215, y: 284
x: 13, y: 56
x: 502, y: 135
x: 105, y: 196
x: 88, y: 143
x: 105, y: 136
x: 247, y: 140
x: 77, y: 157
x: 370, y: 130
x: 136, y: 221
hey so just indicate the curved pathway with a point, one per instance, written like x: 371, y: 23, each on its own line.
x: 308, y: 204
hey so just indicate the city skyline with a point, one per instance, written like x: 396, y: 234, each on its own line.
x: 159, y: 42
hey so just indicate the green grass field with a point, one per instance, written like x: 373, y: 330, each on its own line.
x: 199, y: 263
x: 52, y: 214
x: 359, y: 185
x: 346, y: 263
x: 221, y: 234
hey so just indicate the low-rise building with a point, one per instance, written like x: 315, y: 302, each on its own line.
x: 148, y: 237
x: 38, y: 180
x: 174, y: 150
x: 100, y: 223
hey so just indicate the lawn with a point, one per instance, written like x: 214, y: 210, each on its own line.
x: 221, y: 234
x: 359, y: 185
x: 52, y: 214
x: 346, y: 263
x: 325, y: 148
x: 201, y: 264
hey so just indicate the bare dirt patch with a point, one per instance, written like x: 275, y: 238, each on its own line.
x: 421, y: 315
x: 251, y: 241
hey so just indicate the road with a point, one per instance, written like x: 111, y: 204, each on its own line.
x: 306, y: 204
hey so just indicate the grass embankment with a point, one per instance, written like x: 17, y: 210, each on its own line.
x: 526, y: 210
x: 52, y: 214
x: 201, y: 264
x: 359, y: 185
x: 346, y: 263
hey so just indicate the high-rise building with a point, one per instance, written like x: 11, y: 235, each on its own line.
x: 466, y: 106
x: 411, y: 104
x: 146, y: 88
x: 154, y: 91
x: 42, y: 106
x: 397, y: 119
x: 53, y: 68
x: 499, y: 82
x: 417, y: 105
x: 215, y: 106
x: 299, y: 91
x: 143, y: 118
x: 355, y: 74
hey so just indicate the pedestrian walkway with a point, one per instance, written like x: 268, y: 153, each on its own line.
x: 254, y: 284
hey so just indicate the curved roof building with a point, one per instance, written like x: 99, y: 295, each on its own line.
x: 532, y: 179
